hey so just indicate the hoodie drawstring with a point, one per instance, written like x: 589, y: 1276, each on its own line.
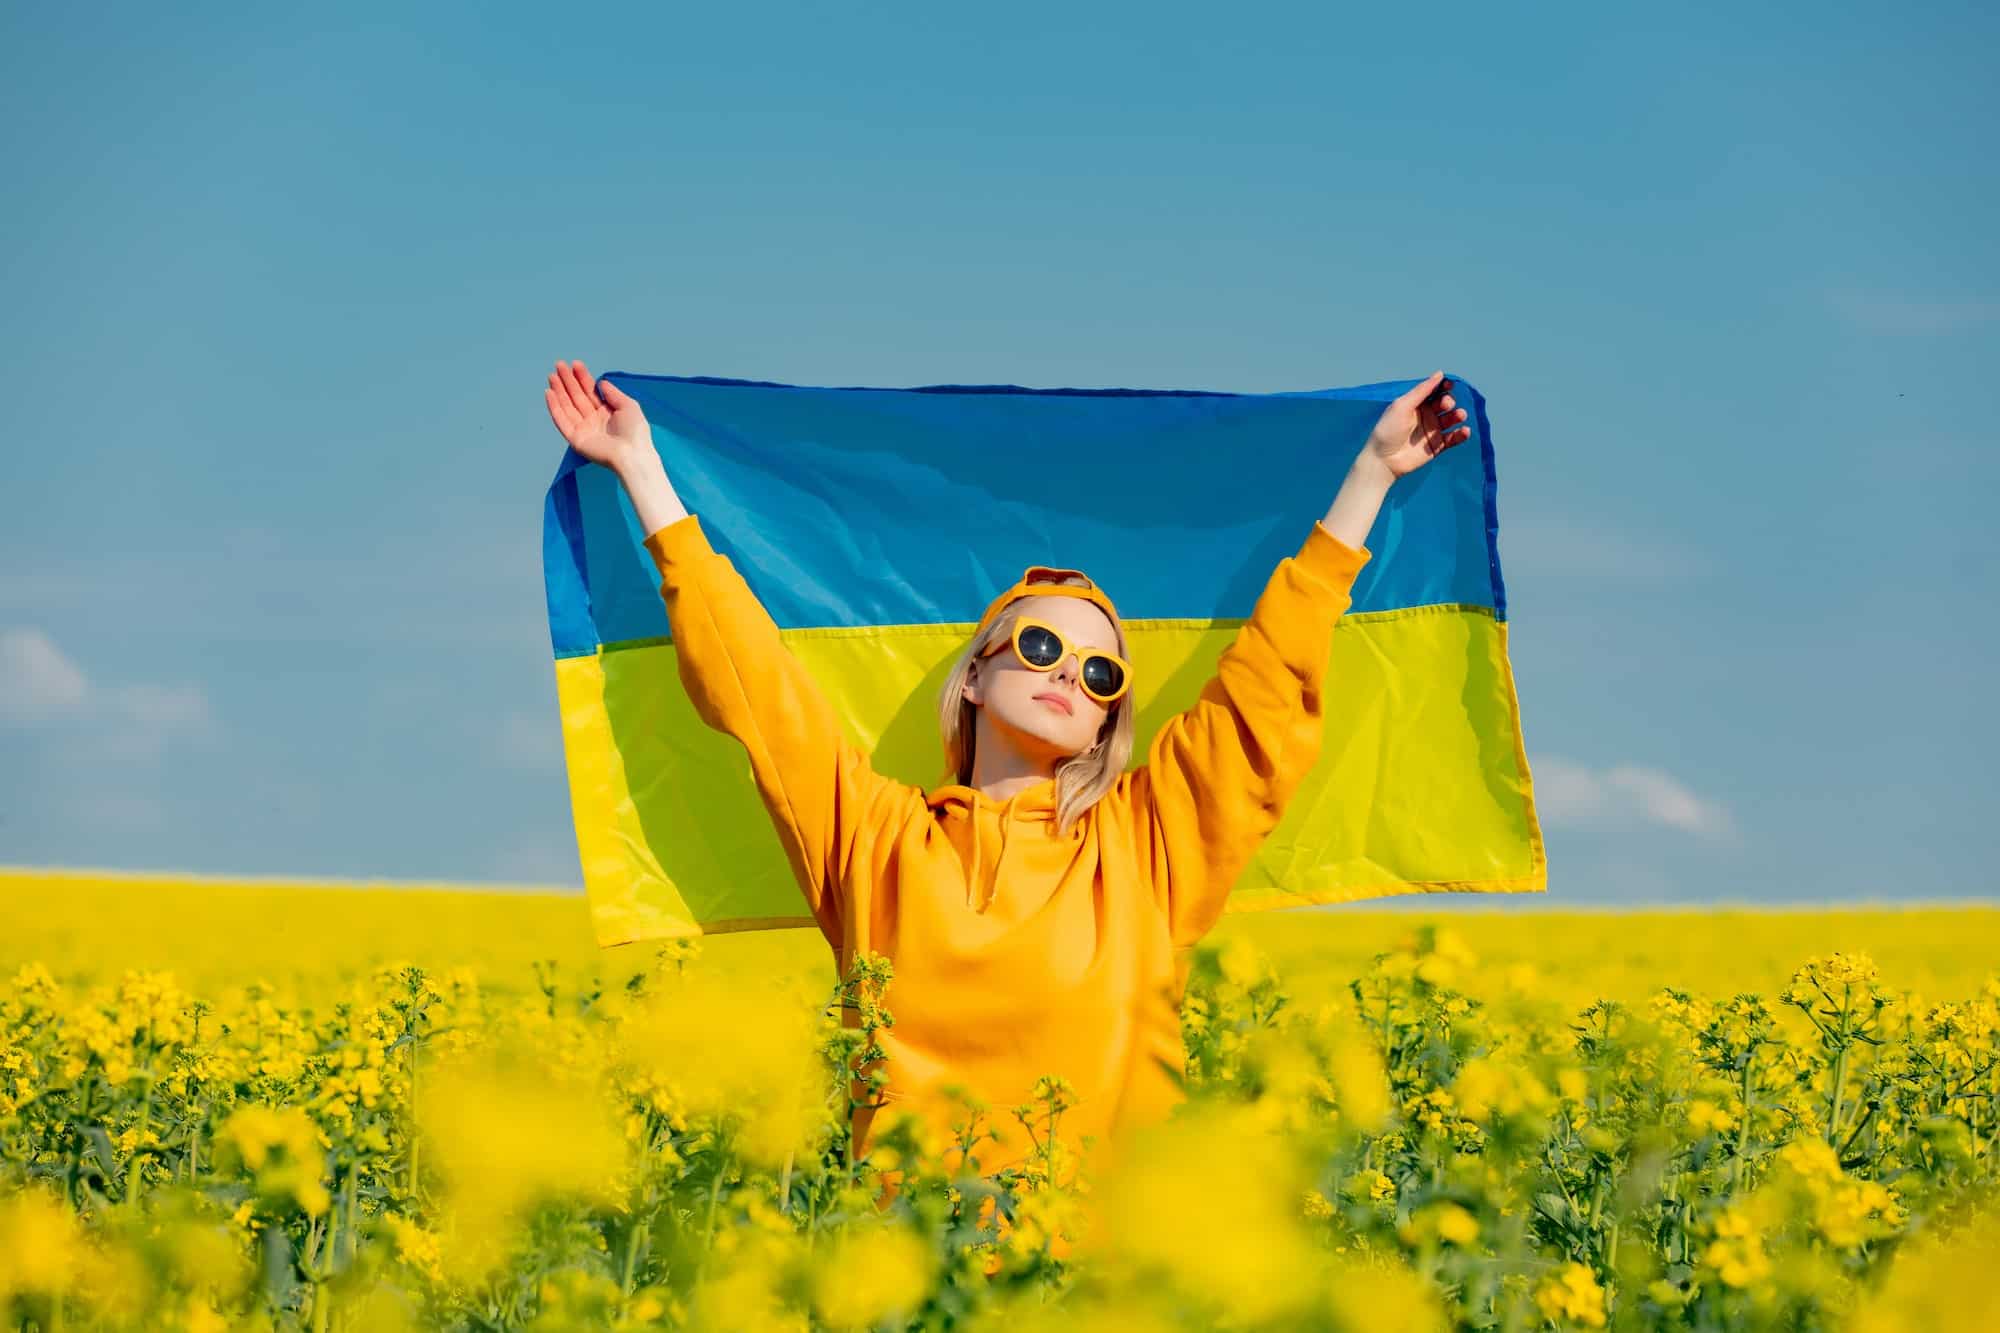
x: 979, y: 894
x: 972, y: 880
x: 975, y: 887
x: 981, y: 885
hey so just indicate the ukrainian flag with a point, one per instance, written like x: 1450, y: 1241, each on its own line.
x: 876, y: 524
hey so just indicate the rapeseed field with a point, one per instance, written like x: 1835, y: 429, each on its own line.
x: 228, y: 1106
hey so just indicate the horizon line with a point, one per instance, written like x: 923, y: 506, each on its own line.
x: 1542, y: 902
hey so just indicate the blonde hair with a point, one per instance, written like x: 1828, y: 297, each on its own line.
x: 1081, y: 780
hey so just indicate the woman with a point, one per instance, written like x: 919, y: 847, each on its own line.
x: 1038, y: 908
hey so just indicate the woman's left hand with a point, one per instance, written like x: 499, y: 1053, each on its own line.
x: 1412, y: 431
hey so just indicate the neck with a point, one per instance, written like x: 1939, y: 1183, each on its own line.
x: 1002, y: 768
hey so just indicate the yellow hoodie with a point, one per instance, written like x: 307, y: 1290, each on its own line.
x: 1019, y: 951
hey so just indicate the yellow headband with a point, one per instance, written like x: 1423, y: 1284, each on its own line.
x: 1038, y: 581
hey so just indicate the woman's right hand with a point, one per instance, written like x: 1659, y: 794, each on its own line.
x: 610, y: 429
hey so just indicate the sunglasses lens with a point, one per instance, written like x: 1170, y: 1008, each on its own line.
x: 1040, y: 647
x: 1101, y: 675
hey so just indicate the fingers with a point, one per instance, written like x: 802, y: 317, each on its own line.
x: 561, y: 406
x: 1444, y: 413
x: 584, y: 388
x: 1422, y: 388
x: 614, y: 395
x: 572, y: 380
x: 561, y: 412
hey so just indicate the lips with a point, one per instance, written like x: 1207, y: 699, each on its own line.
x: 1059, y: 702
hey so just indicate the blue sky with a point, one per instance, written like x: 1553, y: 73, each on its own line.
x: 282, y: 294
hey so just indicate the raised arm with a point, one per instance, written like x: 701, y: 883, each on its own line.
x: 1217, y: 777
x: 819, y: 787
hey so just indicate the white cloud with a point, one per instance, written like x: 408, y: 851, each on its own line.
x: 1569, y: 792
x: 37, y: 682
x: 40, y: 686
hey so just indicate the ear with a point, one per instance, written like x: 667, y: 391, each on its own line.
x: 971, y: 690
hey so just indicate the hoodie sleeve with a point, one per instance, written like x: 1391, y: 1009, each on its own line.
x: 818, y: 786
x: 1218, y: 776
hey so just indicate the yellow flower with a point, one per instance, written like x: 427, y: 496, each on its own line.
x: 1240, y: 962
x: 1370, y: 1185
x: 1854, y: 1212
x: 1486, y: 1088
x: 1812, y: 1159
x: 1666, y: 1293
x: 201, y: 1317
x: 415, y: 1246
x: 1442, y: 1220
x: 501, y: 1141
x: 1456, y: 1225
x: 1734, y: 1222
x: 282, y: 1148
x: 1383, y: 1298
x: 1940, y: 1282
x: 1572, y: 1294
x: 870, y: 1273
x: 203, y: 1255
x: 41, y: 1244
x: 34, y: 984
x: 1434, y: 1110
x: 1436, y: 971
x: 1208, y: 1203
x: 732, y: 1045
x: 1360, y: 1084
x: 1705, y: 1117
x: 1739, y: 1260
x: 1848, y: 969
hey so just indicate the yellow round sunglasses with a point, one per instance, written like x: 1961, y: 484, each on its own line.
x: 1104, y: 676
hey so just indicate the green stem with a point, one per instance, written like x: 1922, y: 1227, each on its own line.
x: 1743, y: 1130
x: 416, y: 1142
x: 631, y: 1254
x: 353, y: 1228
x: 133, y: 1167
x: 708, y: 1233
x: 1855, y: 1133
x: 714, y: 1195
x: 1833, y: 1110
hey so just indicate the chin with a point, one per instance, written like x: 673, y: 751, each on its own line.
x: 1048, y: 730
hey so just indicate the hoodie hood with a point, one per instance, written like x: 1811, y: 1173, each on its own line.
x: 994, y: 822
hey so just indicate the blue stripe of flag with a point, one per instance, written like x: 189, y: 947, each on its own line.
x: 853, y: 506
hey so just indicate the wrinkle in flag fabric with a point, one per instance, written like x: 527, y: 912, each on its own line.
x: 875, y: 525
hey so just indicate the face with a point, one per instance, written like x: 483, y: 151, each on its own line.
x: 1045, y: 713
